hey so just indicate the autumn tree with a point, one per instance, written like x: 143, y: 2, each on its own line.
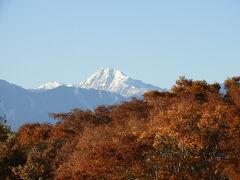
x: 190, y: 132
x: 10, y: 154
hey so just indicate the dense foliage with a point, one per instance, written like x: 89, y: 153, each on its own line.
x: 190, y: 132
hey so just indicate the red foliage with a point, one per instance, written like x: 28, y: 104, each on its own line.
x: 190, y: 132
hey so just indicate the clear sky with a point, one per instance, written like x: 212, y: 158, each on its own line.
x: 155, y: 41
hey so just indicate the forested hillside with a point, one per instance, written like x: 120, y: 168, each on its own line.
x: 191, y: 132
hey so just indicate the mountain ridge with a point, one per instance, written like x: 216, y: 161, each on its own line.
x: 110, y: 80
x: 105, y: 87
x: 22, y: 106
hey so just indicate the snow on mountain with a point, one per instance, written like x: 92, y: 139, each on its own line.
x: 51, y: 85
x: 110, y: 80
x: 115, y: 81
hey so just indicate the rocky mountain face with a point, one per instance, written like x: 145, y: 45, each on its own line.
x: 115, y: 81
x: 110, y: 80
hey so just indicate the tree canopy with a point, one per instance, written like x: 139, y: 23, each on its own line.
x: 189, y: 132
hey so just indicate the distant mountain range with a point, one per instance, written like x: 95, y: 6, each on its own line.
x: 105, y: 87
x: 110, y: 80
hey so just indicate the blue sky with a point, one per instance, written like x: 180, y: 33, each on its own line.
x: 155, y: 41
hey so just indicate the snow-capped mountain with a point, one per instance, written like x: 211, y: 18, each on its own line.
x: 51, y: 85
x: 110, y: 80
x: 115, y: 81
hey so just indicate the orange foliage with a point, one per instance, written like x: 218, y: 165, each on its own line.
x: 191, y: 132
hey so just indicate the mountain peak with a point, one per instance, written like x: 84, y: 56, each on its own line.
x: 115, y: 81
x: 110, y: 72
x: 110, y: 80
x: 51, y: 85
x: 107, y: 74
